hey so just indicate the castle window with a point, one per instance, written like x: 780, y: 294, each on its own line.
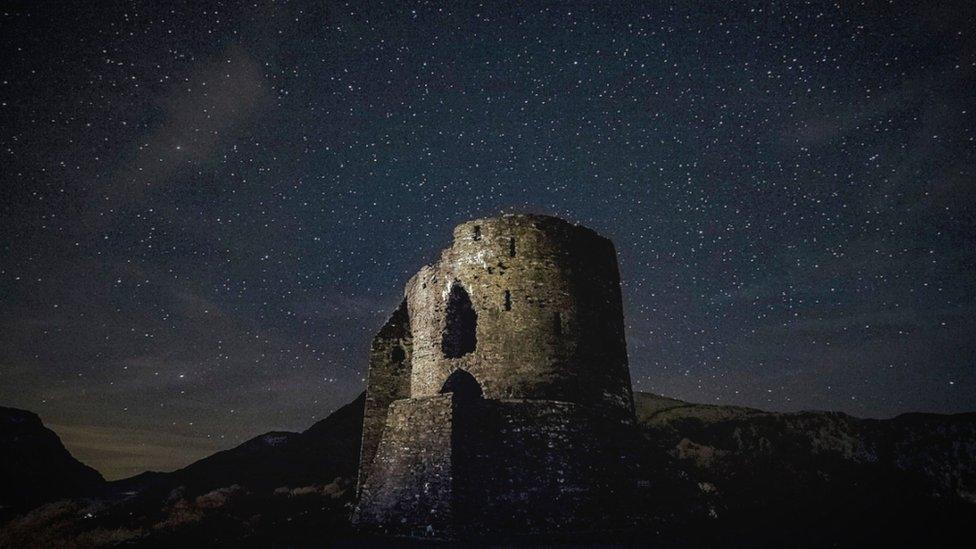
x: 460, y: 327
x: 511, y: 247
x: 557, y: 324
x: 508, y: 300
x: 476, y: 234
x: 397, y: 354
x: 463, y: 385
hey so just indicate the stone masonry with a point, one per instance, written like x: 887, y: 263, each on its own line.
x: 499, y: 391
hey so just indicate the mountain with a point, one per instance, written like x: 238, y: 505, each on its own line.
x: 327, y: 450
x: 264, y: 492
x: 34, y: 466
x: 817, y: 478
x: 720, y: 476
x: 937, y: 450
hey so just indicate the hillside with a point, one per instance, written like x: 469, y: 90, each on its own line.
x: 707, y: 475
x: 34, y: 466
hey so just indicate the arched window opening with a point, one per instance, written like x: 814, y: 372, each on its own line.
x: 397, y: 354
x: 460, y: 327
x: 463, y: 385
x: 511, y: 247
x: 508, y: 300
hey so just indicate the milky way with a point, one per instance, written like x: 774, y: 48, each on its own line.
x: 208, y: 210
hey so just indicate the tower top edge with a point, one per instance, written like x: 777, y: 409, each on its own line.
x: 525, y: 220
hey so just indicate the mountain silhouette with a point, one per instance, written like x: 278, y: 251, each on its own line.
x: 34, y: 466
x: 708, y: 476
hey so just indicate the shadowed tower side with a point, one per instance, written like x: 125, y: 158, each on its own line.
x: 388, y: 380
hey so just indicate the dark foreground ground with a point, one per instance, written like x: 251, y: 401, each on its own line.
x: 712, y: 476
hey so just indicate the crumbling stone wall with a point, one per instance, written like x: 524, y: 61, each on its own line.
x: 388, y: 380
x: 505, y: 412
x: 549, y: 318
x: 410, y: 488
x: 544, y: 466
x: 457, y: 464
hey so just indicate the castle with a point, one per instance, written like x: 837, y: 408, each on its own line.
x: 499, y: 389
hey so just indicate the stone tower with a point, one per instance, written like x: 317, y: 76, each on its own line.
x: 499, y: 390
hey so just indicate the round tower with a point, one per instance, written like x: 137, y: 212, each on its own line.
x: 530, y: 307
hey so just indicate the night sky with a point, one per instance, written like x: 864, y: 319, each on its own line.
x: 207, y: 211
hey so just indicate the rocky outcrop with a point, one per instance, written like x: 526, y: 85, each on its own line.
x: 938, y: 450
x: 814, y: 478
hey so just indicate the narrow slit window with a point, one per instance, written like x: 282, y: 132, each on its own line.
x: 397, y: 354
x: 508, y: 300
x: 557, y: 324
x: 476, y: 234
x: 511, y: 247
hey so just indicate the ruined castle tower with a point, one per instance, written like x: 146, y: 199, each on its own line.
x: 499, y: 388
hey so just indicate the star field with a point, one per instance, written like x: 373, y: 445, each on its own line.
x: 207, y: 210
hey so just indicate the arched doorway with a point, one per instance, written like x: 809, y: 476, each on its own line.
x: 463, y: 385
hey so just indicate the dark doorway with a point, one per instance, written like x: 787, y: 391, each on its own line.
x: 460, y: 329
x: 463, y: 385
